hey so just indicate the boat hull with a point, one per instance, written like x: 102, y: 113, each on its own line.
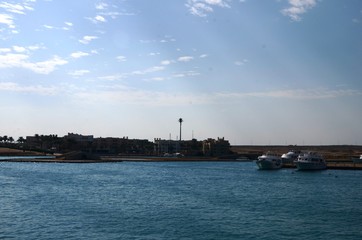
x: 268, y: 165
x: 306, y: 166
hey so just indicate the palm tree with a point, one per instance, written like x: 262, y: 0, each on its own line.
x: 21, y: 140
x: 180, y: 121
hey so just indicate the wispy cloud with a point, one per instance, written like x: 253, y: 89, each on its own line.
x: 79, y: 54
x: 144, y: 97
x: 5, y: 50
x: 241, y: 63
x: 97, y: 19
x: 87, y: 39
x: 203, y: 7
x: 67, y: 26
x: 141, y: 97
x: 37, y: 89
x: 185, y: 58
x: 79, y: 73
x: 18, y: 8
x: 148, y: 70
x: 121, y: 58
x: 301, y: 94
x: 15, y: 60
x: 48, y: 26
x: 166, y: 62
x: 7, y: 20
x: 297, y: 8
x: 116, y: 77
x: 14, y: 8
x: 101, y: 6
x: 185, y: 74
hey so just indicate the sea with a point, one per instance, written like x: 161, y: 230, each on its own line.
x: 177, y: 200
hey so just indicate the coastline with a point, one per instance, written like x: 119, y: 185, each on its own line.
x: 337, y: 157
x: 330, y: 165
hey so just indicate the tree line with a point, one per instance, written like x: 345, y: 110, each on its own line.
x: 9, y: 139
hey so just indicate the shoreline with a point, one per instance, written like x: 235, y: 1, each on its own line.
x: 338, y: 157
x: 330, y: 165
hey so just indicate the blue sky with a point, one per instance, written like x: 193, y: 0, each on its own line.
x: 252, y: 71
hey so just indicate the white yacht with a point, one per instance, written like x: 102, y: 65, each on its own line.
x: 269, y: 160
x: 290, y: 157
x: 310, y: 161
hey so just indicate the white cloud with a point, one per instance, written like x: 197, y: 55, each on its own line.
x: 87, y: 39
x: 148, y: 70
x: 68, y: 24
x: 19, y: 49
x: 47, y: 66
x: 101, y: 6
x: 18, y: 8
x: 97, y: 19
x: 121, y: 58
x: 203, y: 56
x: 185, y: 59
x: 79, y: 73
x: 185, y: 74
x: 166, y: 62
x: 202, y: 7
x: 113, y: 77
x: 134, y: 73
x: 7, y: 20
x: 241, y: 63
x: 156, y: 79
x: 79, y: 54
x: 38, y: 89
x: 297, y: 8
x: 141, y: 97
x: 100, y: 18
x: 35, y: 47
x: 5, y: 50
x: 11, y: 60
x: 15, y: 8
x: 154, y: 53
x: 48, y: 26
x: 301, y: 94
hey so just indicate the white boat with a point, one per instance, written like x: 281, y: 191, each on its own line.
x: 290, y: 157
x: 269, y: 160
x: 310, y: 161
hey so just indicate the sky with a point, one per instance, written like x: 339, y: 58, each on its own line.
x: 255, y: 72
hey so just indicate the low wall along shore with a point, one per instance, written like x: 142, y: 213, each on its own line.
x: 337, y: 157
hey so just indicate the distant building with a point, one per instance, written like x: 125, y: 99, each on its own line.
x: 208, y: 147
x: 123, y: 145
x: 212, y: 147
x: 162, y: 146
x: 79, y: 137
x: 77, y: 142
x: 43, y: 142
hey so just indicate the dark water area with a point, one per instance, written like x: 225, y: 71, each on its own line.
x: 177, y: 200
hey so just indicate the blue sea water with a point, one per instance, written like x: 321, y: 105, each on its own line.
x: 177, y: 200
